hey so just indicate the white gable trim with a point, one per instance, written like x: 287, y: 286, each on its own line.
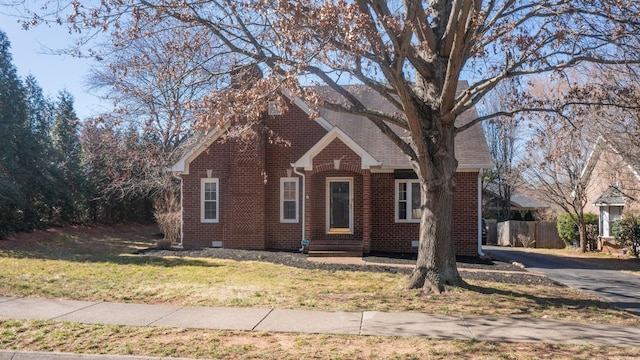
x: 366, y: 160
x: 307, y: 110
x: 594, y: 156
x: 181, y: 167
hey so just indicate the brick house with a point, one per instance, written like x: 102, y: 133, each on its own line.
x: 613, y: 188
x: 341, y: 184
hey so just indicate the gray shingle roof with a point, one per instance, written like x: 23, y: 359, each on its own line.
x: 612, y: 196
x: 517, y: 200
x: 470, y: 145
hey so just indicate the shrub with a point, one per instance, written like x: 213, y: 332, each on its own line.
x: 169, y: 224
x: 568, y: 230
x: 627, y: 233
x: 528, y: 216
x: 526, y: 241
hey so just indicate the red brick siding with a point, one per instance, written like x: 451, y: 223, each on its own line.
x: 302, y: 133
x: 239, y: 168
x: 465, y: 214
x: 323, y: 168
x: 386, y: 234
x: 390, y: 236
x: 195, y: 233
x: 250, y: 208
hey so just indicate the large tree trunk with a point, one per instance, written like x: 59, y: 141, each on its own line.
x: 436, y: 168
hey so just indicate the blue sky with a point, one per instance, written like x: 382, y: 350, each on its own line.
x: 53, y: 72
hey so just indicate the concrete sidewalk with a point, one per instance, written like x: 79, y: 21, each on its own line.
x: 304, y: 321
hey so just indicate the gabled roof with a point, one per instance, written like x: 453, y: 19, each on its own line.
x: 365, y: 139
x: 471, y: 147
x: 612, y: 196
x: 306, y: 161
x: 630, y: 158
x: 182, y: 165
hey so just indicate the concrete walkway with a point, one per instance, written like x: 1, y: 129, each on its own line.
x: 305, y: 321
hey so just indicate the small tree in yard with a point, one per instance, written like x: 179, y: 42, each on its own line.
x: 413, y: 53
x: 627, y: 233
x: 568, y: 229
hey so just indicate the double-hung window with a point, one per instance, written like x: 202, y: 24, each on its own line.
x: 289, y: 200
x: 408, y: 201
x: 210, y: 200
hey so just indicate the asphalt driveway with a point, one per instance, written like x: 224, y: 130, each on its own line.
x: 616, y: 287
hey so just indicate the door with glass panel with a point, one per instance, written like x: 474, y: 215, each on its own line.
x: 339, y: 205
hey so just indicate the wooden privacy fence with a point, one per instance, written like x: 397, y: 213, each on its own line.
x: 544, y: 234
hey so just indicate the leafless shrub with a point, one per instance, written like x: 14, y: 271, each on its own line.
x: 168, y: 217
x: 526, y: 241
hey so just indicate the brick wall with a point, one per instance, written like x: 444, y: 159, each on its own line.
x: 390, y: 236
x: 195, y: 233
x: 465, y: 214
x: 249, y: 180
x: 291, y: 136
x: 324, y: 168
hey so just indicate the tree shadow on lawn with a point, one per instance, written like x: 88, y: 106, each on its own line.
x: 547, y: 302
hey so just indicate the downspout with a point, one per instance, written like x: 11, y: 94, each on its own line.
x: 181, y: 212
x: 304, y: 193
x: 480, y: 252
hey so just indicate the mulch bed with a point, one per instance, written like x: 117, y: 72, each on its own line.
x: 470, y: 268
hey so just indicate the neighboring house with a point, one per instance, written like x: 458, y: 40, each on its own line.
x: 492, y: 203
x: 340, y: 183
x: 614, y: 183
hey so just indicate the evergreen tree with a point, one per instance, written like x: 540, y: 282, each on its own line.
x: 14, y: 132
x: 39, y: 109
x: 66, y: 143
x: 46, y: 185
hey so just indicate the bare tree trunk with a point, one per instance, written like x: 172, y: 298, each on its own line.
x: 436, y: 168
x: 436, y: 264
x: 582, y: 230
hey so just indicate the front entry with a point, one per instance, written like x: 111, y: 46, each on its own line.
x: 339, y: 205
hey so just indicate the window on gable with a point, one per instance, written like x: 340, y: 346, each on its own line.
x: 408, y: 201
x: 274, y: 108
x: 210, y: 195
x: 289, y: 200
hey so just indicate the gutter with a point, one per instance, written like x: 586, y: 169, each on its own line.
x: 480, y: 252
x: 173, y: 174
x: 304, y: 183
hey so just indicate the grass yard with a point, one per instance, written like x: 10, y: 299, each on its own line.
x: 98, y: 263
x: 163, y: 342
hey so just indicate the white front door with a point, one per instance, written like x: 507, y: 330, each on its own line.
x: 340, y: 205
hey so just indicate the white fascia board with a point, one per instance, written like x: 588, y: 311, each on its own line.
x: 366, y: 160
x: 473, y: 167
x: 307, y: 110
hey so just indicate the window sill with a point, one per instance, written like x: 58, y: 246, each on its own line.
x: 339, y: 232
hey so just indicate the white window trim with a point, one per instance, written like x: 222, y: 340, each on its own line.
x: 329, y: 229
x: 206, y: 181
x: 297, y: 199
x: 397, y: 200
